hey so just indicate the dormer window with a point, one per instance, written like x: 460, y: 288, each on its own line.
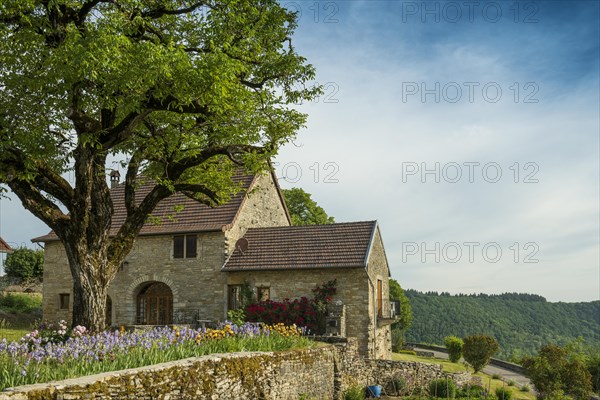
x: 184, y: 246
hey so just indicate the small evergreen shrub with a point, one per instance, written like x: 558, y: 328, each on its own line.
x: 503, y: 393
x: 525, y: 389
x: 478, y: 350
x: 442, y: 388
x: 354, y: 393
x: 496, y: 376
x: 454, y: 345
x: 511, y: 383
x: 397, y: 385
x: 473, y: 392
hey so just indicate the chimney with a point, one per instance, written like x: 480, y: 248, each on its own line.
x: 114, y: 178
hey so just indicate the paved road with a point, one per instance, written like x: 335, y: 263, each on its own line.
x: 506, y: 374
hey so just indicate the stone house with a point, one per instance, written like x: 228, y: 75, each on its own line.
x: 4, y: 247
x: 196, y: 263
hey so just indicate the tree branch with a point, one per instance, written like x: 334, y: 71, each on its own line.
x: 162, y: 10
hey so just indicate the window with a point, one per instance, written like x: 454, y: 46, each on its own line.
x: 263, y: 293
x: 64, y: 301
x: 379, y: 299
x: 184, y: 246
x: 234, y: 297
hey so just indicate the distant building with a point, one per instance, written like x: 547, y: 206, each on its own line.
x: 4, y: 247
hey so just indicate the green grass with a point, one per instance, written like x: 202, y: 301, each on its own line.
x: 486, y: 380
x: 12, y: 334
x: 20, y: 302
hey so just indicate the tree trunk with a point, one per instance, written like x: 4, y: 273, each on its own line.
x: 92, y: 275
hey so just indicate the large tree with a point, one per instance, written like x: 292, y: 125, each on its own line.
x: 303, y: 209
x: 182, y: 92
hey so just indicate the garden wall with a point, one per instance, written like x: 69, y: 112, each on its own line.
x: 323, y: 372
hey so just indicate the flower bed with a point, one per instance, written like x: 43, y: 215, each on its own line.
x: 40, y: 357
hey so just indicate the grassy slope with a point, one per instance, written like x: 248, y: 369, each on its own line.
x: 486, y: 380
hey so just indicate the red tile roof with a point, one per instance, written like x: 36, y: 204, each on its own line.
x: 194, y: 217
x: 4, y: 247
x: 345, y: 245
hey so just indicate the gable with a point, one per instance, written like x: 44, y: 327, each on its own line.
x: 4, y: 247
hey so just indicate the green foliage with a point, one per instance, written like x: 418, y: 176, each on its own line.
x: 183, y: 94
x: 354, y: 393
x: 442, y: 388
x: 521, y: 323
x: 25, y: 264
x: 558, y: 371
x: 503, y: 393
x: 303, y: 209
x: 473, y: 392
x: 398, y: 340
x: 593, y: 366
x: 238, y: 317
x: 454, y: 346
x: 20, y: 303
x: 405, y: 315
x: 525, y: 389
x: 411, y: 352
x: 398, y: 385
x: 478, y: 349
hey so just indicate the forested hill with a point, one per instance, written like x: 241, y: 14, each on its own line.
x: 520, y: 322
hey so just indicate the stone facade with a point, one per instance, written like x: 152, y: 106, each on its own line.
x: 200, y: 289
x: 323, y: 372
x: 356, y: 289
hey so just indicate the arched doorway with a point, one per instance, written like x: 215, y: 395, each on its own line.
x: 154, y: 304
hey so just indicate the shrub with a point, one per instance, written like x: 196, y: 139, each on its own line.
x: 496, y: 376
x: 25, y: 264
x: 557, y: 371
x: 593, y: 366
x: 300, y: 312
x: 525, y: 389
x: 20, y: 302
x: 442, y: 388
x: 511, y: 383
x: 411, y: 352
x: 454, y: 346
x: 478, y: 350
x: 237, y: 317
x: 354, y: 393
x: 503, y: 393
x: 397, y: 385
x: 473, y: 392
x: 397, y: 339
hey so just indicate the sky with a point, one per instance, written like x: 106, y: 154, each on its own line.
x: 468, y: 129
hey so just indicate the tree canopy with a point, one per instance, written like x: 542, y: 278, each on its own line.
x: 181, y: 92
x: 303, y: 209
x: 24, y: 263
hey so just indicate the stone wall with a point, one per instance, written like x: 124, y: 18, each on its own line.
x: 262, y: 208
x: 380, y: 334
x: 258, y: 375
x: 323, y: 372
x: 352, y: 290
x: 198, y: 285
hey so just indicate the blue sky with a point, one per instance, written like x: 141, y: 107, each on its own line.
x: 373, y: 127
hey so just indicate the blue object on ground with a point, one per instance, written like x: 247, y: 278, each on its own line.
x: 374, y: 391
